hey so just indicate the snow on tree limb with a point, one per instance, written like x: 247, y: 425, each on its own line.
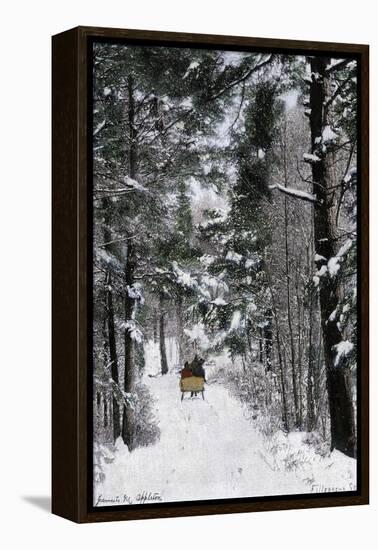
x: 295, y: 193
x: 338, y: 90
x: 310, y: 158
x: 328, y: 135
x: 99, y: 127
x: 133, y: 184
x: 342, y: 349
x: 244, y: 77
x: 218, y: 94
x: 340, y: 64
x: 129, y: 185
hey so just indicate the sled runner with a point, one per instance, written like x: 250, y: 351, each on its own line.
x: 192, y: 384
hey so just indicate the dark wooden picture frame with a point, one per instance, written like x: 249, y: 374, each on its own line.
x: 71, y: 203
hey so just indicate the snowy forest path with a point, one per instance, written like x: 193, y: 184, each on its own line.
x: 208, y: 449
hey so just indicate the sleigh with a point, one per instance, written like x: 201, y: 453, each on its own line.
x: 192, y: 384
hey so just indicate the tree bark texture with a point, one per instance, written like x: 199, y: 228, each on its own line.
x: 343, y: 436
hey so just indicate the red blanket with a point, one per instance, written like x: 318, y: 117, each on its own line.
x: 185, y: 373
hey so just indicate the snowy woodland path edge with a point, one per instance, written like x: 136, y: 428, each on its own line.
x: 211, y: 450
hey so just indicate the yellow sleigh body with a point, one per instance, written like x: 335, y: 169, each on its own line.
x: 193, y: 384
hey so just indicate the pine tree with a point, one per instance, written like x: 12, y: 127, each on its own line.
x: 323, y: 140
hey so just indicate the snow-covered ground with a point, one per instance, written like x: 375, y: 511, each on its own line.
x: 210, y: 450
x: 152, y: 356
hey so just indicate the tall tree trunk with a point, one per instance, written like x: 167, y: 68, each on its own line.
x: 268, y: 339
x: 163, y: 352
x: 128, y: 424
x: 180, y: 331
x: 113, y: 355
x: 110, y: 325
x: 249, y: 331
x: 261, y: 338
x: 156, y: 325
x: 300, y: 323
x: 343, y: 436
x: 318, y: 373
x: 128, y: 421
x: 105, y: 401
x: 288, y: 295
x: 312, y: 305
x: 310, y: 372
x: 285, y: 416
x: 105, y: 355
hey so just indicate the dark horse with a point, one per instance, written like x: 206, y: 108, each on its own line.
x: 197, y: 367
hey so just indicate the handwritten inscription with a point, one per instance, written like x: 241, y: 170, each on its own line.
x: 141, y: 498
x: 145, y: 496
x: 320, y: 488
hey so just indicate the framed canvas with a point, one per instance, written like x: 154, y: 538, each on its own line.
x: 210, y: 274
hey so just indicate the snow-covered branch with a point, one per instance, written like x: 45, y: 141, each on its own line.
x: 310, y: 158
x: 129, y: 185
x: 338, y: 65
x: 243, y: 77
x: 99, y: 127
x: 295, y: 193
x: 338, y: 90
